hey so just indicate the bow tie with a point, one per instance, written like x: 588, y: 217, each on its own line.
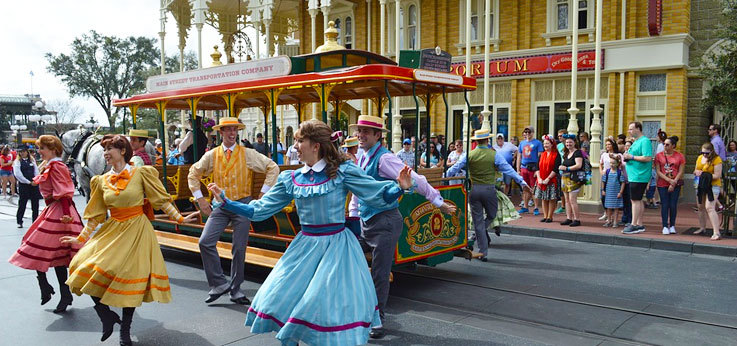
x: 120, y: 181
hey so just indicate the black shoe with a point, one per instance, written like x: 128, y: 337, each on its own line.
x: 566, y: 222
x: 66, y: 300
x: 498, y: 231
x: 548, y: 220
x: 575, y: 223
x: 20, y: 225
x: 108, y: 318
x: 377, y: 333
x: 125, y: 330
x: 484, y: 259
x: 214, y: 297
x: 46, y: 289
x: 241, y: 301
x: 544, y: 220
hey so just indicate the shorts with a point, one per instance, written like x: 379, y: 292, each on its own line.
x: 507, y: 179
x: 529, y: 177
x: 716, y: 190
x: 637, y: 190
x: 4, y: 173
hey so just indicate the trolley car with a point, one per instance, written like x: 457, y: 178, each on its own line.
x: 429, y: 237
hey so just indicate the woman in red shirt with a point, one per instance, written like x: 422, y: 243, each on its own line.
x: 547, y: 178
x: 6, y: 171
x: 669, y: 165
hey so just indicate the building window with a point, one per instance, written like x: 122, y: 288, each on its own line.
x: 651, y: 94
x: 560, y: 15
x: 340, y: 32
x: 477, y: 24
x: 348, y: 33
x: 412, y: 27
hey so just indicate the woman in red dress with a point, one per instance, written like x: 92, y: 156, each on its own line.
x: 41, y: 247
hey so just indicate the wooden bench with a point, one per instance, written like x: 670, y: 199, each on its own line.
x: 254, y: 255
x: 176, y: 181
x: 434, y: 175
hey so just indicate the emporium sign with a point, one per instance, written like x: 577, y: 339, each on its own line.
x: 537, y: 64
x: 245, y: 71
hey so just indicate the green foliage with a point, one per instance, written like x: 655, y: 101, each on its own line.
x: 720, y: 66
x: 104, y: 68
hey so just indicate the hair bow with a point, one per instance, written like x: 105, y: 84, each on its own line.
x: 549, y: 138
x: 335, y: 136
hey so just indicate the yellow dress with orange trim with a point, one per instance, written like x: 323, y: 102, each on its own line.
x: 122, y: 263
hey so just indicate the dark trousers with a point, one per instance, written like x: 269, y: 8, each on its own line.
x: 27, y: 192
x: 483, y: 199
x: 669, y: 205
x: 627, y: 207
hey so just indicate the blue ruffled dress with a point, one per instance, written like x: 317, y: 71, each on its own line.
x: 320, y: 292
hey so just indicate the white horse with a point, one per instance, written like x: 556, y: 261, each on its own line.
x: 85, y: 157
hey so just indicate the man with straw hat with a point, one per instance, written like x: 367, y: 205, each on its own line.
x: 351, y: 148
x: 138, y: 139
x: 483, y: 163
x: 381, y: 228
x: 232, y: 167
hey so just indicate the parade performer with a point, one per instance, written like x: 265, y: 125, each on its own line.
x: 351, y: 148
x: 232, y: 167
x: 138, y: 139
x: 121, y: 265
x: 25, y: 169
x: 381, y: 227
x: 41, y: 247
x: 483, y: 163
x: 320, y: 291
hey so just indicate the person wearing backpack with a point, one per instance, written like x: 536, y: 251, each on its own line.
x: 612, y: 191
x: 574, y: 177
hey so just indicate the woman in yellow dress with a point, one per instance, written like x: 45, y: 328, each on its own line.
x: 121, y: 265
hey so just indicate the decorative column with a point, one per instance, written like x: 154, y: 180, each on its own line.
x: 573, y: 111
x: 368, y: 26
x: 267, y: 25
x: 256, y: 20
x: 487, y: 31
x: 397, y: 117
x: 162, y: 33
x: 468, y: 69
x: 382, y: 27
x: 199, y: 20
x: 595, y: 147
x: 313, y: 10
x: 325, y: 7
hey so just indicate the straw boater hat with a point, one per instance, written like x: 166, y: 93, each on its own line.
x: 138, y: 133
x: 481, y: 135
x: 368, y: 121
x: 229, y: 121
x: 350, y: 142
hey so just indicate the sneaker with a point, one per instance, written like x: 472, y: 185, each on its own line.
x: 524, y: 210
x: 522, y: 204
x: 560, y: 211
x: 536, y: 212
x: 635, y: 230
x: 672, y: 230
x: 602, y: 218
x: 628, y: 229
x: 531, y: 203
x: 607, y: 224
x: 575, y: 223
x: 566, y: 222
x: 666, y: 230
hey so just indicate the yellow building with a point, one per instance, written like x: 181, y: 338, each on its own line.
x: 644, y: 75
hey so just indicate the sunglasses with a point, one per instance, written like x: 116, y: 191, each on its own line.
x: 526, y: 132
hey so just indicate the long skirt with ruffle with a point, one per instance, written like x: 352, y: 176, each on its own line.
x: 320, y: 292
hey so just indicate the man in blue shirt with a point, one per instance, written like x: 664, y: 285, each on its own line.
x: 529, y: 149
x: 715, y: 132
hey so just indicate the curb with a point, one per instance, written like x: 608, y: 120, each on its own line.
x: 618, y: 240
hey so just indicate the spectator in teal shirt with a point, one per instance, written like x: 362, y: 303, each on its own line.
x: 639, y: 170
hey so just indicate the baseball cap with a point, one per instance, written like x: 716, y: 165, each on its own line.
x: 500, y: 135
x: 531, y: 128
x: 407, y: 141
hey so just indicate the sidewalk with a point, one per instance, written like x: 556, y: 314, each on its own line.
x: 592, y: 231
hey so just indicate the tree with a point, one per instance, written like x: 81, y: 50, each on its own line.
x: 105, y: 68
x: 67, y: 112
x: 719, y: 68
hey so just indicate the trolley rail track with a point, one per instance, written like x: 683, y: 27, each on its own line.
x: 555, y: 326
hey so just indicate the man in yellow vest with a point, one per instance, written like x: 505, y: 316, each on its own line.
x: 232, y: 167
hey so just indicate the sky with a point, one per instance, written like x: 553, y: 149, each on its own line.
x: 30, y: 29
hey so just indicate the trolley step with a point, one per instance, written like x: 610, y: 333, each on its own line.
x: 254, y: 255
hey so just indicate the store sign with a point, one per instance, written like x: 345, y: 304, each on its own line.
x: 435, y: 59
x: 245, y: 71
x: 438, y: 77
x: 538, y: 64
x: 655, y: 17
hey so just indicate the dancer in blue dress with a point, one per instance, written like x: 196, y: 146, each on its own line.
x: 320, y: 291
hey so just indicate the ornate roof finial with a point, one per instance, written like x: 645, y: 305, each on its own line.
x: 216, y: 57
x: 331, y: 40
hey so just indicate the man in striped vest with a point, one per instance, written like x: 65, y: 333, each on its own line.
x: 232, y: 167
x: 381, y: 228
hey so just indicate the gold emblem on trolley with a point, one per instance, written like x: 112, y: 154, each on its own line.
x: 427, y: 228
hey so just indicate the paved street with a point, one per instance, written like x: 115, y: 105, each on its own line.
x: 533, y: 291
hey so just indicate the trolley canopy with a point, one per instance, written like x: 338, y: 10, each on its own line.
x: 348, y: 83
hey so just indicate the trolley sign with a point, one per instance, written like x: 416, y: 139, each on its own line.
x: 249, y: 70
